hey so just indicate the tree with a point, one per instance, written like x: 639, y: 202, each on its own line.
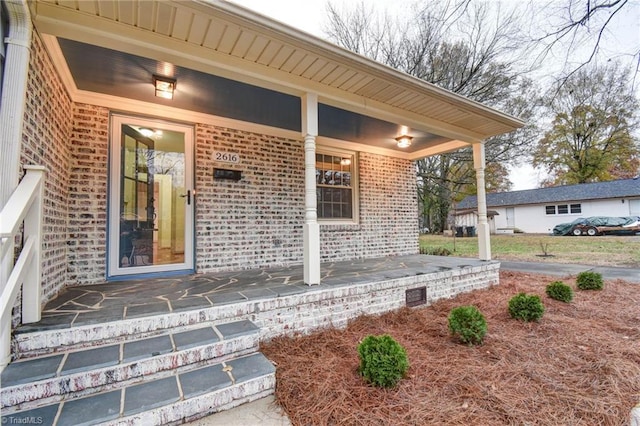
x: 592, y: 135
x: 463, y: 47
x: 582, y: 31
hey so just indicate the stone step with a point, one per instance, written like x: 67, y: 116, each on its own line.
x: 31, y: 340
x: 46, y: 379
x: 182, y: 396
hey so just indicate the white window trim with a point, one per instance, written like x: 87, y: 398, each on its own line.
x: 355, y: 186
x: 116, y: 122
x: 557, y: 212
x: 575, y: 204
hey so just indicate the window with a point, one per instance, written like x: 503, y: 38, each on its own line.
x: 335, y: 180
x: 563, y: 209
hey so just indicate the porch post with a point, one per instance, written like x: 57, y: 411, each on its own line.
x: 12, y: 106
x: 311, y: 239
x: 484, y: 243
x: 14, y: 88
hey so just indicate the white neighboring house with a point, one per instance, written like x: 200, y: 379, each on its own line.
x: 539, y: 210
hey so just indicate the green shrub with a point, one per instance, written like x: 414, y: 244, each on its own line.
x: 468, y: 323
x: 560, y: 291
x: 383, y: 361
x: 526, y: 307
x: 590, y: 281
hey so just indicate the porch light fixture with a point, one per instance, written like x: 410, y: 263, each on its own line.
x: 146, y: 132
x: 404, y: 141
x: 164, y: 86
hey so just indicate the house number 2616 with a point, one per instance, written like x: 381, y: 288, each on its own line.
x: 227, y: 157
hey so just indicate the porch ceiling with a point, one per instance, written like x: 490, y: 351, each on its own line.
x: 218, y: 50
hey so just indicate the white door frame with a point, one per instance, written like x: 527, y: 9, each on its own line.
x: 511, y: 218
x: 113, y: 267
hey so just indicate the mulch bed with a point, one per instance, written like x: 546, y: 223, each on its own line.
x: 580, y: 365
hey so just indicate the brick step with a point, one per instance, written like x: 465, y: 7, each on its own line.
x: 38, y: 339
x: 47, y: 379
x: 179, y: 397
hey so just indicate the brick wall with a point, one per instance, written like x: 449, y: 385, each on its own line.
x: 45, y: 142
x: 87, y: 239
x: 388, y: 213
x: 256, y: 222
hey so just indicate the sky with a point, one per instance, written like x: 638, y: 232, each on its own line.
x: 311, y: 16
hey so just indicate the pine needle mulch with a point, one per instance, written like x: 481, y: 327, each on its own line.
x: 580, y: 365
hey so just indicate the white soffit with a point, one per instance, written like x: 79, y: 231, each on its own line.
x: 225, y: 39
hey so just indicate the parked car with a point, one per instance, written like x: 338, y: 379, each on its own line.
x: 599, y: 225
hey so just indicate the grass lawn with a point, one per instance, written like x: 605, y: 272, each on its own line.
x: 579, y: 365
x: 601, y: 250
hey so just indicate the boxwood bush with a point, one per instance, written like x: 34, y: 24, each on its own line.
x: 560, y: 291
x: 468, y: 323
x: 383, y: 361
x: 526, y: 307
x: 589, y: 281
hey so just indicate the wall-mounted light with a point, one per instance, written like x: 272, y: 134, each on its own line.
x: 404, y: 141
x: 164, y: 86
x: 146, y: 132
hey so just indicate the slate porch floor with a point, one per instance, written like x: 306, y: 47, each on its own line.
x: 120, y: 300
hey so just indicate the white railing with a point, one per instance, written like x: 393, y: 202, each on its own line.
x: 24, y: 206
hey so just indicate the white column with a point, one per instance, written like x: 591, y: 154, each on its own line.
x: 14, y: 87
x: 12, y: 106
x: 484, y: 242
x: 311, y: 238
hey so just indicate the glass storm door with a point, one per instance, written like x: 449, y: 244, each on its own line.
x: 151, y: 197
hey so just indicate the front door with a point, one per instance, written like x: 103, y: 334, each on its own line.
x: 151, y: 197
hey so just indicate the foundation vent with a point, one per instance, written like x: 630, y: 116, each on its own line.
x: 416, y: 296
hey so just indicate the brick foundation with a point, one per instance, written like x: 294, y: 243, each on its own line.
x: 305, y: 312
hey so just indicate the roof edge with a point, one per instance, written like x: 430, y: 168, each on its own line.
x: 250, y: 18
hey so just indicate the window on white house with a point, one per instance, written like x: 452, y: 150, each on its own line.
x: 563, y: 209
x: 336, y: 183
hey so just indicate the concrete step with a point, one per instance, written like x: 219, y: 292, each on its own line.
x: 31, y: 383
x: 179, y: 397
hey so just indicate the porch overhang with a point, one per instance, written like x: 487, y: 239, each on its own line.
x: 219, y: 38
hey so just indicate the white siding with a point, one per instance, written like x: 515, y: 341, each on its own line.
x: 533, y: 218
